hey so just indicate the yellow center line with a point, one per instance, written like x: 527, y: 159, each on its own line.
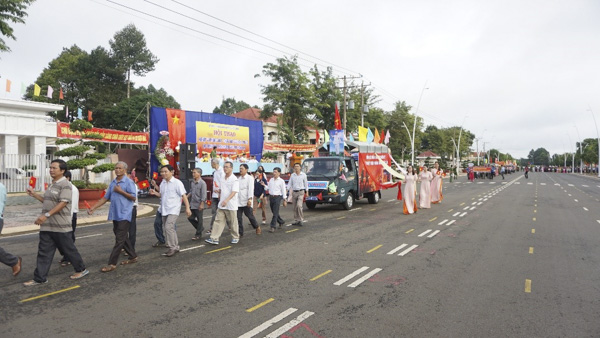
x: 534, y: 219
x: 341, y: 217
x: 534, y: 211
x: 533, y: 231
x: 225, y: 248
x: 463, y: 203
x: 375, y: 248
x: 409, y: 231
x: 530, y: 249
x: 319, y: 276
x: 528, y: 285
x: 260, y: 305
x: 49, y: 294
x: 291, y: 230
x: 535, y: 205
x: 373, y: 209
x: 450, y: 210
x: 433, y: 219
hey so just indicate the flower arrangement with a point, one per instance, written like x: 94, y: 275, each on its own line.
x: 163, y: 150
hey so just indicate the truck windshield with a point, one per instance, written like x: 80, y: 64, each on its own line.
x: 327, y: 167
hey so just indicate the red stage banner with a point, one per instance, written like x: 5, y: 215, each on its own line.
x: 109, y: 135
x: 268, y: 146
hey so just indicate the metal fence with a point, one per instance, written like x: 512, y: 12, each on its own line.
x: 16, y: 171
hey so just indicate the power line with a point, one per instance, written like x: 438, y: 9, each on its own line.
x: 261, y: 36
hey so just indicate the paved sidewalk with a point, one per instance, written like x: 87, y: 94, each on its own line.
x: 19, y: 218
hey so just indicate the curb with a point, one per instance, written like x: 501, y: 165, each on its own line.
x: 143, y: 211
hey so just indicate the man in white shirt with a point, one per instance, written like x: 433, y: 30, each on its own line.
x: 171, y: 193
x: 246, y: 200
x: 218, y: 175
x: 74, y: 210
x: 298, y: 188
x: 277, y: 192
x: 228, y: 205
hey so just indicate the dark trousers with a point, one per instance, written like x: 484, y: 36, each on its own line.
x: 133, y: 227
x: 121, y: 230
x: 5, y: 257
x: 274, y: 203
x: 214, y: 206
x: 196, y: 220
x: 73, y: 225
x: 158, y: 228
x: 49, y: 242
x: 248, y: 212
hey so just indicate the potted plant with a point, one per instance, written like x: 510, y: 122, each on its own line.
x: 83, y: 154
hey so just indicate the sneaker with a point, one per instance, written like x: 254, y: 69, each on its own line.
x: 235, y: 241
x: 208, y: 232
x: 272, y: 230
x: 211, y: 241
x: 81, y: 274
x: 33, y: 282
x: 264, y: 222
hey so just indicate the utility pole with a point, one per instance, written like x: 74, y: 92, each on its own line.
x: 362, y: 103
x: 345, y: 90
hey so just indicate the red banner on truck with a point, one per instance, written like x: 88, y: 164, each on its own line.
x: 371, y: 172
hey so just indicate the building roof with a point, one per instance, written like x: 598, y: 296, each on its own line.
x: 254, y: 115
x: 429, y: 154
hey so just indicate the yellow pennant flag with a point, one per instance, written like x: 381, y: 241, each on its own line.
x: 8, y: 83
x: 377, y: 139
x: 362, y: 134
x: 36, y: 90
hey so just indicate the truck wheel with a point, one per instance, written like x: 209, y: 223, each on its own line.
x: 349, y: 202
x: 311, y: 205
x: 374, y: 197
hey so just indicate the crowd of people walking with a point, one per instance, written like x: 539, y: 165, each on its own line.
x: 430, y: 191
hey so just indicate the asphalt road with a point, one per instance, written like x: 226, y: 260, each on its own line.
x: 513, y: 258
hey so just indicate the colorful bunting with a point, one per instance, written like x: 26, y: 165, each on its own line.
x: 61, y: 95
x: 337, y: 121
x: 50, y: 92
x: 369, y: 135
x: 79, y: 113
x: 387, y: 137
x: 36, y: 90
x: 90, y: 115
x: 362, y: 134
x: 8, y: 83
x: 376, y: 138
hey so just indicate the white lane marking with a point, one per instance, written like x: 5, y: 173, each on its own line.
x: 480, y: 199
x: 598, y: 220
x: 355, y: 209
x: 364, y: 278
x: 542, y: 183
x: 391, y: 200
x: 424, y: 233
x: 407, y: 250
x: 433, y: 233
x: 485, y: 199
x: 473, y: 203
x: 350, y: 276
x: 285, y: 328
x: 587, y: 186
x: 492, y: 182
x: 584, y: 208
x: 397, y: 249
x: 88, y: 236
x: 268, y: 323
x: 557, y: 184
x: 464, y: 213
x: 576, y: 200
x: 479, y: 182
x: 473, y: 208
x: 192, y: 248
x: 442, y: 222
x: 517, y: 182
x: 456, y: 214
x: 570, y: 185
x: 480, y: 203
x: 205, y: 217
x: 569, y: 194
x: 466, y: 208
x: 529, y: 183
x: 451, y: 222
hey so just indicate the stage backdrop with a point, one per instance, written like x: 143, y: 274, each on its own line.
x: 181, y: 126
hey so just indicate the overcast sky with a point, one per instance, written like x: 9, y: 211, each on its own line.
x: 520, y: 74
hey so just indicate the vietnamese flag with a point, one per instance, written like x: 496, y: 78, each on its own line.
x: 154, y: 175
x: 103, y: 193
x: 143, y: 184
x: 337, y: 121
x: 382, y: 138
x: 176, y: 124
x: 45, y: 186
x: 61, y: 95
x: 320, y: 196
x: 87, y: 205
x: 318, y: 137
x: 32, y: 181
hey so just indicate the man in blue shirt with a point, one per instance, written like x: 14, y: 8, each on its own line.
x: 5, y: 257
x: 121, y: 194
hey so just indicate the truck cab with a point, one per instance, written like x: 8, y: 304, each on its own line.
x: 331, y: 180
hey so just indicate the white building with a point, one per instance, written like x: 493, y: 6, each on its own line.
x: 25, y: 128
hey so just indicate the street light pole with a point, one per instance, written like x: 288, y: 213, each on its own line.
x: 415, y: 124
x: 572, y: 158
x: 458, y: 146
x: 598, y: 134
x: 580, y: 150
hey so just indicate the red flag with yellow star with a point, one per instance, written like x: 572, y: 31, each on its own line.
x: 143, y: 184
x: 176, y: 124
x: 32, y: 181
x: 337, y: 121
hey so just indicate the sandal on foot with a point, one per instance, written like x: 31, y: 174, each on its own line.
x: 81, y: 274
x: 108, y: 268
x: 129, y: 261
x: 65, y: 263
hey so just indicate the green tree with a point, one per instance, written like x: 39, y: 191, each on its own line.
x: 129, y: 49
x: 290, y: 93
x: 590, y: 151
x: 230, y: 106
x: 541, y: 156
x: 130, y: 113
x: 11, y: 11
x: 323, y: 85
x: 399, y: 136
